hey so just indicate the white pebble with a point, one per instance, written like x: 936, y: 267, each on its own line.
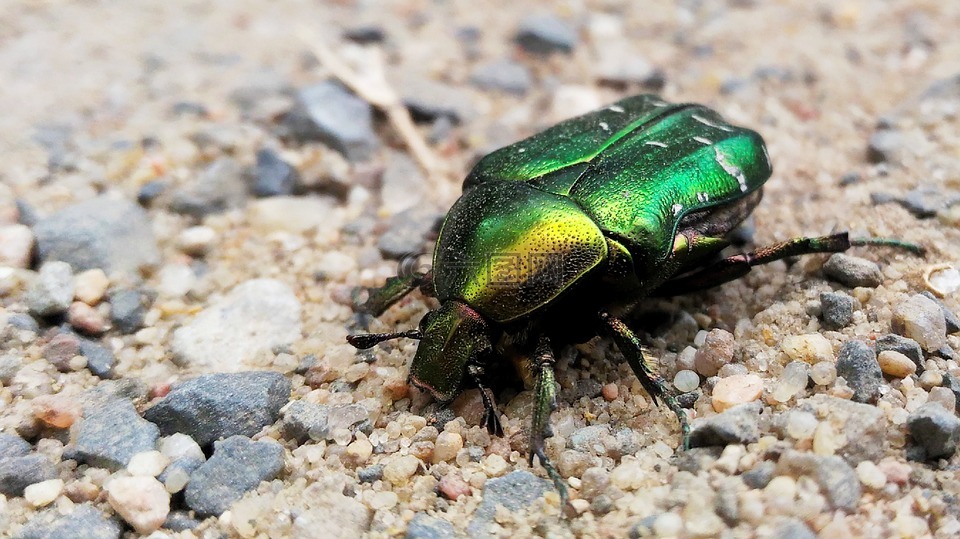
x: 686, y: 381
x: 801, y: 425
x: 147, y: 463
x: 43, y: 493
x: 871, y: 475
x: 823, y: 373
x: 141, y: 501
x: 90, y: 286
x: 811, y: 348
x: 197, y: 240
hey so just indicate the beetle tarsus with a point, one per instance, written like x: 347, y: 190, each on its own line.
x: 918, y: 250
x: 491, y: 416
x: 545, y: 401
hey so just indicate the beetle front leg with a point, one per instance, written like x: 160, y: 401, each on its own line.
x: 545, y: 402
x: 394, y: 290
x: 491, y: 416
x: 632, y: 351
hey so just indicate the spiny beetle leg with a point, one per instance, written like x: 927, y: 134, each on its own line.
x: 392, y: 291
x: 491, y: 416
x: 736, y: 266
x: 545, y: 401
x: 632, y: 351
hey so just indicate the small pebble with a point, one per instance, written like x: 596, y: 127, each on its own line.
x: 86, y: 319
x: 944, y: 397
x: 686, y: 381
x: 43, y: 493
x: 857, y: 364
x: 128, y: 309
x: 447, y: 446
x: 90, y: 286
x: 52, y: 292
x: 853, y: 271
x: 896, y: 364
x: 905, y: 346
x: 359, y: 451
x: 273, y: 175
x: 545, y: 34
x: 495, y: 465
x: 197, y: 240
x: 716, y: 351
x: 452, y: 486
x: 61, y: 350
x: 400, y: 469
x: 503, y: 75
x: 737, y: 389
x: 921, y: 319
x: 16, y: 245
x: 238, y: 465
x: 823, y: 373
x: 812, y: 348
x: 147, y: 463
x: 871, y: 475
x: 610, y: 392
x: 801, y: 425
x: 141, y: 501
x: 792, y: 381
x: 836, y: 309
x: 942, y: 280
x: 935, y: 430
x: 57, y: 411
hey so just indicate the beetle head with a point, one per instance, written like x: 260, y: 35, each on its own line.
x: 450, y: 337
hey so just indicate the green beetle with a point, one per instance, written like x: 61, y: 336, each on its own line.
x: 557, y: 236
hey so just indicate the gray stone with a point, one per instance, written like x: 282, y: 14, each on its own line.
x: 402, y: 185
x: 921, y: 319
x: 100, y: 359
x: 905, y: 346
x: 515, y: 491
x: 237, y: 466
x: 852, y: 271
x: 406, y: 232
x: 865, y: 427
x: 219, y: 187
x: 504, y: 76
x: 151, y: 191
x: 836, y: 309
x: 184, y: 453
x: 216, y: 406
x: 760, y: 475
x: 589, y: 439
x: 254, y: 318
x: 60, y: 350
x: 12, y: 445
x: 346, y: 416
x: 836, y: 478
x: 304, y: 421
x: 738, y: 425
x: 923, y: 203
x: 858, y: 365
x: 935, y: 430
x: 273, y: 176
x: 128, y: 308
x: 424, y: 526
x: 110, y: 433
x: 884, y: 146
x: 370, y: 474
x: 19, y: 472
x: 952, y: 322
x: 179, y: 521
x: 9, y: 367
x: 106, y: 232
x: 24, y: 321
x: 51, y: 524
x: 329, y: 113
x: 52, y: 292
x: 429, y: 100
x: 545, y: 34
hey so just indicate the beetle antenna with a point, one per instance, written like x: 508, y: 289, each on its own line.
x: 369, y: 340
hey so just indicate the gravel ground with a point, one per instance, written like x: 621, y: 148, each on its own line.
x: 188, y: 200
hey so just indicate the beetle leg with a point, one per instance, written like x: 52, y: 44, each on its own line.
x: 394, y: 290
x: 657, y: 387
x: 545, y: 401
x: 736, y: 266
x: 491, y: 416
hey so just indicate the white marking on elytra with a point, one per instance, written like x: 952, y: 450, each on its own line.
x: 677, y: 208
x: 708, y: 123
x: 703, y: 140
x: 731, y: 169
x: 521, y: 150
x: 604, y: 126
x: 703, y: 197
x: 615, y: 108
x: 655, y: 143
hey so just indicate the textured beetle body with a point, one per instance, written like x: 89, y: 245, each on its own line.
x: 557, y: 235
x: 537, y: 216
